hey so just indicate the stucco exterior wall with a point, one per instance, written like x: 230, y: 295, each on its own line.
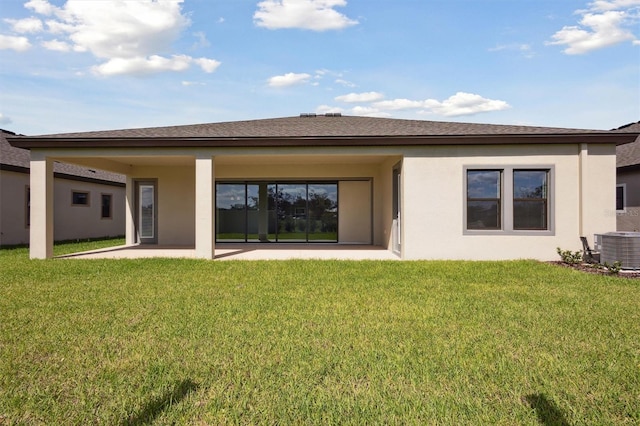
x: 434, y: 200
x: 355, y: 212
x: 176, y: 195
x: 176, y: 202
x: 629, y: 219
x: 13, y: 227
x: 70, y: 222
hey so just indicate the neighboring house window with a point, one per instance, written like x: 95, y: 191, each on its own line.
x: 621, y: 197
x: 530, y: 199
x: 79, y: 198
x: 484, y: 196
x: 27, y: 207
x: 105, y: 209
x: 508, y: 200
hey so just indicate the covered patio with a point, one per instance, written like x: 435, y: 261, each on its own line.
x: 244, y: 251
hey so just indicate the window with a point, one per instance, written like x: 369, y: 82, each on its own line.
x: 483, y: 199
x: 277, y: 211
x: 105, y: 208
x: 621, y: 197
x: 508, y: 200
x: 79, y: 198
x: 530, y: 199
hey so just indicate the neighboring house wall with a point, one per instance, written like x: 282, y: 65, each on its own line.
x: 629, y: 218
x: 13, y: 208
x: 85, y: 221
x: 70, y: 221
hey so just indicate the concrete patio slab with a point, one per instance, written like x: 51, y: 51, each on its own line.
x: 245, y: 252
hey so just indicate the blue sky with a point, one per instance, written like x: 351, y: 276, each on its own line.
x: 80, y: 65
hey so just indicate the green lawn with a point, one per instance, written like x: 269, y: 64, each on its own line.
x: 314, y: 342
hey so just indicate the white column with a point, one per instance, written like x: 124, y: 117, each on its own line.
x: 130, y: 212
x: 41, y: 190
x: 205, y: 206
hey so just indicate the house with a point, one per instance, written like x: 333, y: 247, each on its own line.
x: 628, y: 182
x: 87, y: 203
x: 422, y: 189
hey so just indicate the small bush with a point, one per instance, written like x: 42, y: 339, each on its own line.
x: 614, y: 268
x: 570, y: 257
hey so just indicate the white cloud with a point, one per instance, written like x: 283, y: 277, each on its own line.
x: 42, y: 7
x: 193, y: 83
x: 316, y: 15
x: 398, y: 104
x: 523, y: 48
x: 142, y: 66
x: 345, y: 83
x: 56, y: 45
x: 207, y: 65
x: 604, y: 5
x: 289, y: 79
x: 25, y: 26
x: 360, y: 97
x: 19, y: 44
x: 4, y: 119
x: 461, y: 103
x: 464, y: 104
x: 323, y: 109
x: 130, y: 37
x: 603, y: 24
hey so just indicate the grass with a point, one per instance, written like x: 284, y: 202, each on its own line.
x: 180, y: 341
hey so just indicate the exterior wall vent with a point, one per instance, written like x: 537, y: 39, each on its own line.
x: 619, y: 246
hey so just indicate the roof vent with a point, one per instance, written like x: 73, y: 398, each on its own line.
x: 308, y: 114
x: 333, y: 114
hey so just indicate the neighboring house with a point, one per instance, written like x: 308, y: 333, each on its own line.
x: 87, y: 203
x: 423, y: 189
x: 628, y: 182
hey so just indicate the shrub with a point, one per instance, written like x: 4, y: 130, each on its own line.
x: 570, y: 257
x: 614, y: 268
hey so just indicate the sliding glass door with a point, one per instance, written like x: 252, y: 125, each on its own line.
x: 277, y: 212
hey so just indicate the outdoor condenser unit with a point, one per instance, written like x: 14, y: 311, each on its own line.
x: 619, y: 246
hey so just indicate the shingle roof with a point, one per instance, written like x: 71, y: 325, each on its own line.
x: 628, y: 154
x: 322, y: 126
x: 20, y: 158
x: 321, y: 130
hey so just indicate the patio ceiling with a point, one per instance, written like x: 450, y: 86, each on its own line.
x: 119, y: 164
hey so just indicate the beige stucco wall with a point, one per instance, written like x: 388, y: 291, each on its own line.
x: 176, y: 194
x: 13, y: 229
x: 176, y: 202
x: 583, y: 198
x: 629, y: 219
x: 433, y: 200
x: 355, y: 212
x: 70, y: 222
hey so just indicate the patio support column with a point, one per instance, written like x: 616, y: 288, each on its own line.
x: 205, y: 206
x: 41, y: 207
x: 130, y: 212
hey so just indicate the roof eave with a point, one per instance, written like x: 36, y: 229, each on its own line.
x: 31, y: 142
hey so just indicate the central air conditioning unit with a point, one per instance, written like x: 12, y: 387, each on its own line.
x: 623, y: 247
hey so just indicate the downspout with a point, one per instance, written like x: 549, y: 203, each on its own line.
x: 582, y: 191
